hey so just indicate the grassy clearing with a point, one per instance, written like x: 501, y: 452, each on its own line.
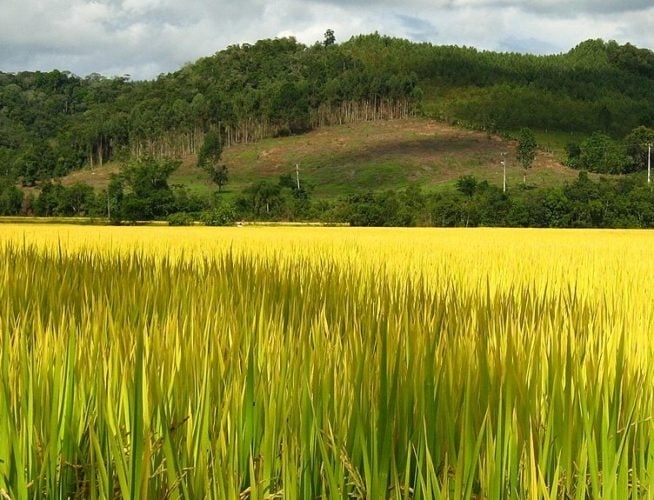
x: 359, y: 157
x: 268, y: 362
x: 388, y: 155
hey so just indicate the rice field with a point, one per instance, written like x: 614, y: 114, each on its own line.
x: 301, y: 363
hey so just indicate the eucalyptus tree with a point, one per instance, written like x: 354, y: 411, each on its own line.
x: 526, y: 152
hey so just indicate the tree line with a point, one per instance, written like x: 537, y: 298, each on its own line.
x: 585, y: 203
x: 142, y: 192
x: 604, y: 154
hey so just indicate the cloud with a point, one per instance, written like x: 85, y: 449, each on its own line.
x: 146, y: 37
x: 418, y: 29
x: 583, y: 7
x: 547, y: 7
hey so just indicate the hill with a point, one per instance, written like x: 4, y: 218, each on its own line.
x: 392, y: 173
x: 380, y: 130
x: 54, y: 123
x: 358, y: 157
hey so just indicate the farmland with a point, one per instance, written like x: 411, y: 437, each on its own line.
x: 268, y: 362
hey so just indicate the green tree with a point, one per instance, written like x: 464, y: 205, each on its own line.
x: 600, y: 153
x: 49, y: 200
x: 467, y: 184
x: 330, y: 38
x: 638, y: 142
x: 526, y: 153
x: 78, y: 199
x: 150, y: 196
x: 11, y: 199
x: 220, y: 176
x: 27, y: 166
x: 221, y: 215
x: 209, y: 159
x: 211, y: 150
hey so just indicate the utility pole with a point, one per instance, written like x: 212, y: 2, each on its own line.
x: 503, y: 162
x: 297, y: 175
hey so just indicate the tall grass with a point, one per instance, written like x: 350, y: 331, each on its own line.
x: 325, y: 363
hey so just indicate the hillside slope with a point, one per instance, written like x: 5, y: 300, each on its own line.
x: 344, y: 159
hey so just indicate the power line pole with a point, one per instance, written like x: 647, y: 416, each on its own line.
x: 503, y: 162
x: 297, y: 175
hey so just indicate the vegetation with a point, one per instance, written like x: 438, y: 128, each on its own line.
x: 526, y: 153
x: 599, y: 94
x: 142, y: 192
x: 197, y: 362
x: 278, y: 376
x: 209, y: 159
x: 52, y: 123
x: 583, y: 203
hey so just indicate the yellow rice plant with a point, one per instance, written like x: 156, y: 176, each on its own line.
x: 273, y: 362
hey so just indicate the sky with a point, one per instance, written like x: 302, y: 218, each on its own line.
x: 145, y: 38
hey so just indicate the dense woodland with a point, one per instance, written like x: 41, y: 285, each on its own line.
x: 55, y: 122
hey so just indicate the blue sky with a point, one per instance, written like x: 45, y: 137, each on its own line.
x: 144, y: 38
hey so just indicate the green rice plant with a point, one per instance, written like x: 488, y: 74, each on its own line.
x: 297, y: 363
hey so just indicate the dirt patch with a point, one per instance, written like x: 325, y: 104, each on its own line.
x: 98, y: 177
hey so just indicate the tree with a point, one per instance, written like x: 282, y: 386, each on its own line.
x: 27, y: 166
x: 49, y: 200
x: 11, y: 199
x: 209, y: 159
x: 220, y: 176
x: 221, y: 215
x: 638, y: 142
x: 330, y: 39
x: 526, y: 153
x: 467, y: 184
x: 150, y: 196
x: 211, y: 150
x: 600, y: 153
x: 265, y: 198
x: 78, y: 199
x: 605, y: 118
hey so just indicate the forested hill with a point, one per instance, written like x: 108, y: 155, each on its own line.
x: 55, y: 122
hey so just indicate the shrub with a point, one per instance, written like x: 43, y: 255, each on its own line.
x: 180, y: 219
x: 222, y: 215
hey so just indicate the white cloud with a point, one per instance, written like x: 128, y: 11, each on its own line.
x: 139, y: 6
x: 147, y: 37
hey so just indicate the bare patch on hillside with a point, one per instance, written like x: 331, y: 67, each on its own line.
x: 98, y: 177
